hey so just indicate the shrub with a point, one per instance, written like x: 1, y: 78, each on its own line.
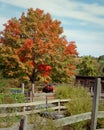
x: 11, y: 98
x: 41, y: 124
x: 8, y: 99
x: 70, y: 91
x: 8, y: 121
x: 80, y: 103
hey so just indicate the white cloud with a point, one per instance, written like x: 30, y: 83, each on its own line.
x: 95, y: 9
x: 88, y: 43
x: 84, y: 35
x: 65, y: 8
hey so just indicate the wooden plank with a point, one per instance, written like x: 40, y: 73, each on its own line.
x: 63, y: 121
x: 43, y: 94
x: 99, y: 129
x: 19, y: 113
x: 97, y: 91
x: 100, y: 114
x: 30, y: 112
x: 23, y: 123
x: 72, y: 119
x: 76, y: 118
x: 32, y: 103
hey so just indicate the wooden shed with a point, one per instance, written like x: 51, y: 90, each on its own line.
x: 89, y: 82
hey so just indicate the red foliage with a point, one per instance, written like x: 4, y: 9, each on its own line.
x: 1, y: 40
x: 72, y: 67
x: 31, y: 63
x: 23, y: 58
x: 29, y: 43
x: 13, y: 27
x: 71, y: 48
x: 39, y: 11
x: 46, y: 73
x: 34, y: 36
x: 45, y: 69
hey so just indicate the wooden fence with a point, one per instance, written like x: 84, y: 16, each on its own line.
x: 28, y: 108
x: 33, y: 107
x: 59, y: 122
x: 77, y: 118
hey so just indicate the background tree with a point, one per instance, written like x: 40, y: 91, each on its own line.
x: 101, y: 65
x: 87, y: 66
x: 33, y: 45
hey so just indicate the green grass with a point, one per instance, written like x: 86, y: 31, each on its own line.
x: 81, y: 102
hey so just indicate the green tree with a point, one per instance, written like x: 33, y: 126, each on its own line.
x: 101, y: 65
x: 33, y: 46
x: 87, y: 66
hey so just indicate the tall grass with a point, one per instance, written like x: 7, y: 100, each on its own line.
x: 80, y: 102
x: 41, y: 123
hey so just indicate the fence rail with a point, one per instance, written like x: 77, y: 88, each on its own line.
x: 32, y: 107
x: 76, y: 118
x: 67, y: 120
x: 59, y: 122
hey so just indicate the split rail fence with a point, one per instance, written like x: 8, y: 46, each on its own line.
x: 33, y: 107
x: 59, y: 122
x: 29, y: 108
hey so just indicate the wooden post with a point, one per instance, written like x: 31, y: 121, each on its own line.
x: 95, y: 104
x: 23, y: 123
x: 23, y: 88
x: 32, y: 93
x: 92, y: 91
x: 46, y: 102
x: 23, y: 91
x: 31, y: 96
x: 59, y: 106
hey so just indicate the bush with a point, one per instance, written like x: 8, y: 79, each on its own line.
x: 41, y: 124
x: 8, y: 99
x: 81, y: 102
x: 6, y: 84
x: 8, y: 121
x: 72, y: 92
x: 11, y: 98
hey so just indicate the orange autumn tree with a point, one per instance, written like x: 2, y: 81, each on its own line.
x: 33, y: 47
x: 65, y: 64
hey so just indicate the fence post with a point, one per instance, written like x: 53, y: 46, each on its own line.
x: 32, y: 93
x: 33, y: 87
x: 31, y: 96
x: 23, y: 88
x: 23, y: 91
x: 23, y: 123
x: 97, y: 90
x: 46, y: 102
x: 59, y: 105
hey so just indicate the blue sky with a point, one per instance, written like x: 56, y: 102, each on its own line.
x: 82, y: 20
